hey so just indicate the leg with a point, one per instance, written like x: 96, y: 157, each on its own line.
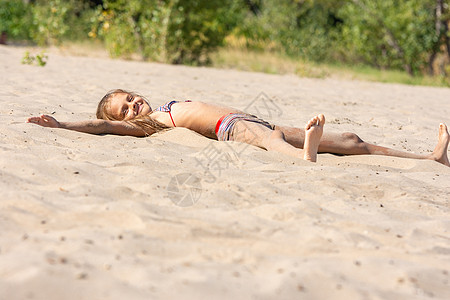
x: 273, y: 140
x: 351, y: 144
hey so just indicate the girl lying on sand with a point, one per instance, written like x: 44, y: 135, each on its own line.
x: 126, y: 113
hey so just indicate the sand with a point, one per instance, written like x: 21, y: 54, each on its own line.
x: 179, y: 216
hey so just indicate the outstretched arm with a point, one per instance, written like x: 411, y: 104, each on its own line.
x: 90, y: 126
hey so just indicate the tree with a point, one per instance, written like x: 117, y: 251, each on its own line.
x: 175, y: 31
x: 390, y: 34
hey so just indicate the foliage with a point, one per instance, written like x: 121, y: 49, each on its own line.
x: 314, y: 30
x: 299, y: 28
x: 57, y: 20
x: 395, y: 34
x: 174, y: 30
x: 390, y: 34
x: 45, y: 22
x: 199, y: 28
x: 409, y: 35
x: 50, y: 21
x: 27, y: 58
x: 40, y: 59
x: 14, y: 18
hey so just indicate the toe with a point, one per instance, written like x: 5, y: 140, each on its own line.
x: 308, y: 126
x: 443, y: 129
x: 321, y: 118
x: 318, y: 120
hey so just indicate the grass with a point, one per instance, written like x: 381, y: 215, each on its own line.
x: 276, y: 63
x: 273, y: 62
x: 90, y: 48
x: 390, y: 76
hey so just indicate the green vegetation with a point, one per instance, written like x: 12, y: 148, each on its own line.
x: 386, y: 40
x: 38, y: 59
x: 15, y: 19
x: 274, y: 63
x: 171, y: 31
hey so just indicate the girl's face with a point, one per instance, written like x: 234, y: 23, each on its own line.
x: 126, y: 107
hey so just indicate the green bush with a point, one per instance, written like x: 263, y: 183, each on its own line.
x: 50, y: 21
x: 15, y: 19
x: 173, y: 31
x: 390, y: 34
x: 298, y: 28
x: 261, y: 26
x: 198, y: 27
x: 38, y: 59
x: 313, y: 31
x: 57, y: 20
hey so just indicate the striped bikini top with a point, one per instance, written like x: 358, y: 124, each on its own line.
x: 168, y: 107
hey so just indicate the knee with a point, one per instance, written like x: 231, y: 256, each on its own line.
x: 277, y: 134
x: 273, y: 137
x: 350, y: 137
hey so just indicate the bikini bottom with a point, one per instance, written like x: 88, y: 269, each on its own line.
x: 225, y: 124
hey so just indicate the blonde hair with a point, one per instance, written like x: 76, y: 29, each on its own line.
x: 146, y: 123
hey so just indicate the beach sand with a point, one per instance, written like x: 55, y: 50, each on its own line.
x: 179, y: 216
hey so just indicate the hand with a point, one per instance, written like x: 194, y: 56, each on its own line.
x: 45, y: 120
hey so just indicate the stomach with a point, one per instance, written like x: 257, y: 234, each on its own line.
x: 199, y: 116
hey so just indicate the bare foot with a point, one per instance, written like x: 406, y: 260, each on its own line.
x: 440, y: 152
x: 313, y: 133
